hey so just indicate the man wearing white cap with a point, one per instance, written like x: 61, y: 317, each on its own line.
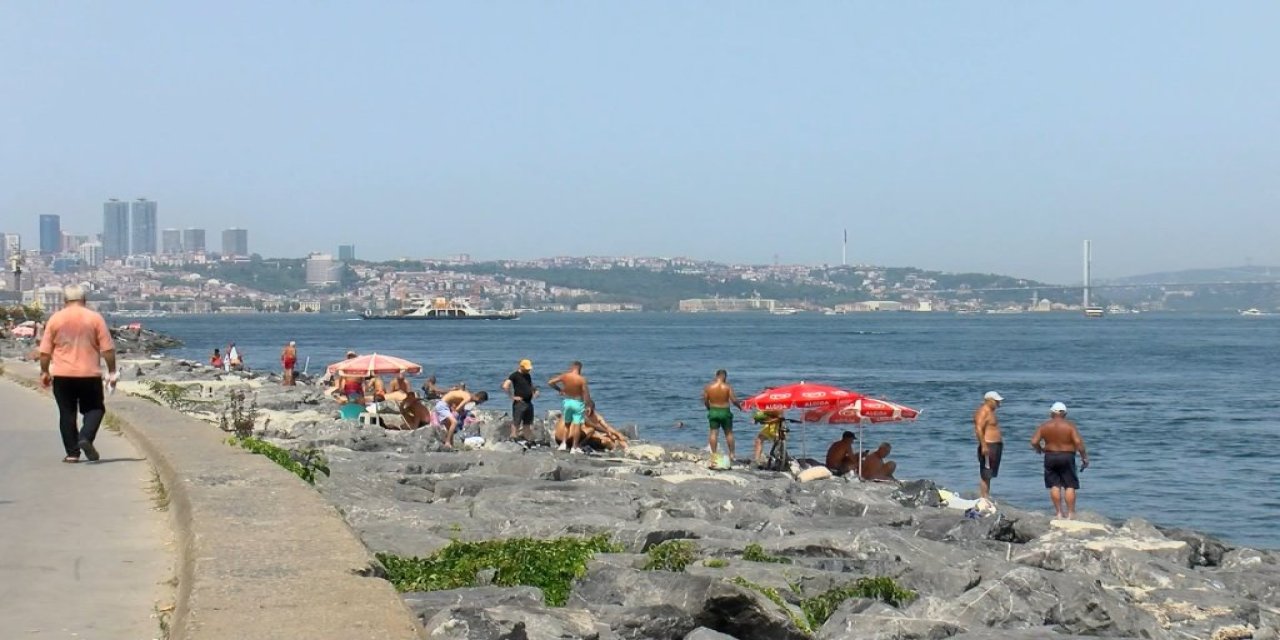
x: 990, y: 441
x: 74, y: 344
x: 1059, y: 440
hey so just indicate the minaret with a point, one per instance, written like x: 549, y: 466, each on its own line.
x: 1088, y: 257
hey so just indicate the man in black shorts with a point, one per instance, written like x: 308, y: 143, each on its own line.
x: 1059, y: 440
x: 986, y: 426
x: 519, y: 385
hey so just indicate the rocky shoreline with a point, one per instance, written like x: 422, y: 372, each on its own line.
x: 762, y: 547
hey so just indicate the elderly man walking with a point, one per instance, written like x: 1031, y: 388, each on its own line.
x: 75, y: 341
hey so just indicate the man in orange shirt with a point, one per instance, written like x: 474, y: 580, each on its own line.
x: 74, y: 341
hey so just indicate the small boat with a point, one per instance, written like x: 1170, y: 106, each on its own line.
x: 784, y: 311
x: 439, y: 309
x: 1252, y: 312
x: 1094, y: 312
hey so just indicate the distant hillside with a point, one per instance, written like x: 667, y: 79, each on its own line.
x: 663, y: 289
x: 1205, y: 276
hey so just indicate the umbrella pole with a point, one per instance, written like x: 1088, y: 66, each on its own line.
x: 804, y: 438
x: 860, y: 450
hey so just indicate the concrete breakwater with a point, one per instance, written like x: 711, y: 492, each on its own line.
x: 1014, y: 574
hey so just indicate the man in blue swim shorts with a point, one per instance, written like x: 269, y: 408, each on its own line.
x: 577, y: 395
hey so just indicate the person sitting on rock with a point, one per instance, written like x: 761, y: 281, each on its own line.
x: 841, y: 456
x: 876, y: 467
x: 414, y: 412
x: 400, y: 387
x: 215, y: 360
x: 373, y: 388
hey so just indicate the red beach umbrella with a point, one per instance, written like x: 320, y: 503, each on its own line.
x: 862, y: 411
x: 374, y: 364
x: 800, y: 395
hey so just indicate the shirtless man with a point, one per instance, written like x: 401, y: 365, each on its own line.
x: 718, y: 398
x: 288, y: 359
x: 596, y: 432
x: 990, y: 442
x: 876, y: 467
x: 1059, y: 440
x: 577, y: 395
x: 399, y: 389
x: 449, y: 410
x: 841, y: 458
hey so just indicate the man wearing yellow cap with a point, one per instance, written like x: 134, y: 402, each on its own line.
x: 519, y: 386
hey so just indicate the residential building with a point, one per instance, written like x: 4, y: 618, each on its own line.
x: 322, y: 270
x: 171, y: 242
x: 193, y: 240
x: 144, y: 227
x: 12, y: 245
x: 235, y: 243
x: 346, y: 252
x: 91, y: 253
x: 115, y: 228
x: 699, y: 305
x: 50, y: 234
x: 71, y: 242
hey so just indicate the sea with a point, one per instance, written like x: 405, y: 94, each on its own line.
x: 1180, y: 413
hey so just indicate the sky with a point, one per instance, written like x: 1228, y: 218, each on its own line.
x: 991, y: 137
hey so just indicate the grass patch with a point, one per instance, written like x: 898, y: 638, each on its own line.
x: 112, y: 424
x: 304, y: 465
x: 550, y: 565
x: 671, y: 555
x: 159, y: 493
x: 715, y: 563
x: 818, y: 609
x: 162, y: 615
x: 755, y: 553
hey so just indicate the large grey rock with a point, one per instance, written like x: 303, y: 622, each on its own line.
x: 426, y: 604
x: 863, y: 619
x: 1206, y: 551
x: 511, y: 622
x: 703, y: 633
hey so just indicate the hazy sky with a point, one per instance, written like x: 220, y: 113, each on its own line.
x: 953, y: 136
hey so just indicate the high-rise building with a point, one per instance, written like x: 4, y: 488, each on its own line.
x: 144, y: 227
x: 91, y: 254
x: 115, y: 229
x: 193, y: 240
x: 322, y: 270
x: 235, y: 243
x: 50, y: 234
x: 71, y: 242
x: 12, y: 244
x: 4, y: 256
x: 171, y: 242
x: 346, y: 252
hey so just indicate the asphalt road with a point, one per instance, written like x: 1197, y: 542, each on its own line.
x: 83, y: 552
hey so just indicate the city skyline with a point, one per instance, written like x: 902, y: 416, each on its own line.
x: 979, y: 138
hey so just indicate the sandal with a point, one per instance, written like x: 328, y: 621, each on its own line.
x: 71, y: 460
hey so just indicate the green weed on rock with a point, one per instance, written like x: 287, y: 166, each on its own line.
x: 551, y: 565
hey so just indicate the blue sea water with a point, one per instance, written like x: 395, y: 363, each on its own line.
x: 1179, y: 412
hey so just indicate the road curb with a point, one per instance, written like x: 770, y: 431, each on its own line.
x: 260, y: 554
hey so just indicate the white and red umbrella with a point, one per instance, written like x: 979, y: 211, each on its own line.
x: 861, y: 412
x: 374, y: 364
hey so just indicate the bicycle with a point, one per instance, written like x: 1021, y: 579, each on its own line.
x: 779, y: 459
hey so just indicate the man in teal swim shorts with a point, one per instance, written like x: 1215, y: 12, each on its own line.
x: 718, y: 398
x: 577, y: 395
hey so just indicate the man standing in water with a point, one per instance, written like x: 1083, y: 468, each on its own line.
x: 519, y: 385
x: 73, y: 342
x: 1059, y: 440
x: 573, y: 386
x: 289, y: 359
x: 718, y: 398
x: 990, y: 441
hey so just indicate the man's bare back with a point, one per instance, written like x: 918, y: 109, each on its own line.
x: 456, y: 398
x: 718, y: 394
x: 1058, y: 435
x: 572, y: 384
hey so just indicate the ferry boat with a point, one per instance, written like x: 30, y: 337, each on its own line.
x: 439, y: 309
x: 784, y: 311
x: 142, y: 313
x: 1094, y: 312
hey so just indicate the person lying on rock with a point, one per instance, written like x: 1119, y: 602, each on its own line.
x: 597, y: 433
